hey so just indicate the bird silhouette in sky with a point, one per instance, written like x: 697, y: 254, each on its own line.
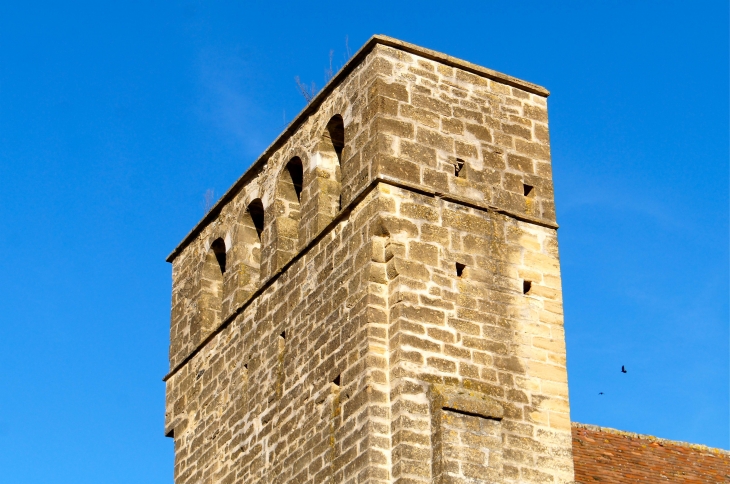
x: 623, y: 369
x: 600, y: 393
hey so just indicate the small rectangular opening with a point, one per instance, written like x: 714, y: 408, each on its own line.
x: 171, y: 434
x: 526, y: 286
x: 459, y: 269
x: 528, y: 190
x: 458, y: 166
x: 336, y: 381
x: 281, y: 343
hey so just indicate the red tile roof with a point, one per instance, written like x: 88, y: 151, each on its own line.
x: 611, y: 456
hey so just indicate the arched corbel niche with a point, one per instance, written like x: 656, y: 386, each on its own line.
x: 326, y: 186
x: 248, y: 251
x: 282, y: 240
x: 210, y: 296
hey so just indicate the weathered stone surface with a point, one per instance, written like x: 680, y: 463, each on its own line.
x: 366, y: 319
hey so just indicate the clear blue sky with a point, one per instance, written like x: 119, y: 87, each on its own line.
x: 116, y: 117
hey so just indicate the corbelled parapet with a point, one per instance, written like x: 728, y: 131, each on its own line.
x: 377, y: 299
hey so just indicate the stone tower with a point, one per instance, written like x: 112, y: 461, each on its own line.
x: 378, y: 298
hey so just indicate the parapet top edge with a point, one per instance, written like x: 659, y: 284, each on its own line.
x: 460, y: 63
x: 312, y: 106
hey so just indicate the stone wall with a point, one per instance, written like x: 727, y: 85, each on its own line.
x: 378, y: 298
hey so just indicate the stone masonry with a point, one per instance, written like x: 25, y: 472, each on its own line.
x: 378, y: 298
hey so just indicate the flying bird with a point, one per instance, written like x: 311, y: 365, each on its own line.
x: 600, y: 393
x: 623, y: 369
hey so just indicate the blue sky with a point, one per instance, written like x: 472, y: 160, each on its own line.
x: 116, y: 117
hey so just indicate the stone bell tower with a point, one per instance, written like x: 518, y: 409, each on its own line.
x: 378, y: 298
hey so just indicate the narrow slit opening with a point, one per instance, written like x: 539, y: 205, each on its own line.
x: 283, y: 335
x: 460, y: 269
x: 296, y: 172
x: 219, y: 249
x: 336, y: 381
x: 336, y: 132
x: 526, y: 286
x: 458, y: 166
x: 256, y: 210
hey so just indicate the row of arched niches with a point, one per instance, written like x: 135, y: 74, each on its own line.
x: 266, y: 238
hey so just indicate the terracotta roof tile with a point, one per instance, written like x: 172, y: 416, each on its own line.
x: 611, y: 456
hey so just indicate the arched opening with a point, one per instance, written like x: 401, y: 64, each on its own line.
x: 211, y: 282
